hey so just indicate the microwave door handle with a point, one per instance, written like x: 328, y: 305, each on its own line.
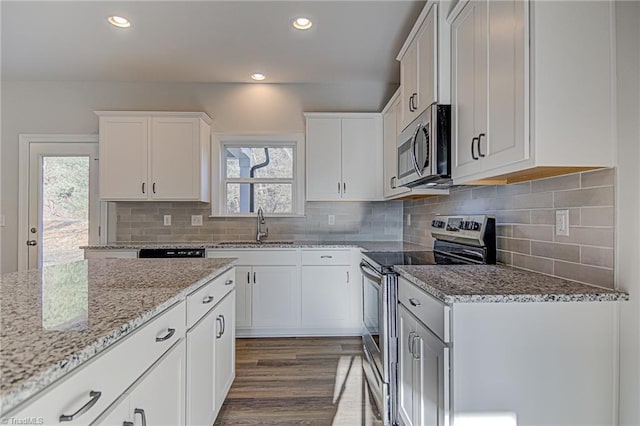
x: 426, y: 129
x: 413, y: 150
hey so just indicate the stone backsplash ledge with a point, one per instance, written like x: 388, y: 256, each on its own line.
x: 354, y: 221
x: 525, y: 218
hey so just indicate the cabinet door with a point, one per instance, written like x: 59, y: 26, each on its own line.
x: 390, y: 151
x: 426, y: 58
x: 243, y: 296
x: 324, y: 153
x: 506, y: 141
x: 175, y: 158
x: 326, y: 296
x: 468, y: 86
x: 123, y: 158
x: 160, y: 396
x: 201, y: 377
x: 362, y: 159
x: 431, y: 379
x: 275, y: 297
x: 225, y: 370
x: 409, y: 82
x: 406, y: 334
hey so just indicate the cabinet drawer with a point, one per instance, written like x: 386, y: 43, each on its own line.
x: 109, y: 373
x: 209, y: 295
x: 326, y: 257
x: 262, y: 257
x: 433, y: 313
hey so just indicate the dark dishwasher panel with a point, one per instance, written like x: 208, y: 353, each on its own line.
x: 170, y: 253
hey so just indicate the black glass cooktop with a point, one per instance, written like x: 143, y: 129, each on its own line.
x: 386, y: 260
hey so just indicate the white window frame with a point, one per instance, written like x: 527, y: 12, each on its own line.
x: 218, y: 164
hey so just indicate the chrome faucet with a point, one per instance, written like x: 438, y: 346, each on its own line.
x: 261, y: 222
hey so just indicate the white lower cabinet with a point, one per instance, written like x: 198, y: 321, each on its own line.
x: 201, y: 371
x: 274, y: 296
x: 243, y: 296
x: 225, y: 350
x: 423, y: 373
x: 326, y: 296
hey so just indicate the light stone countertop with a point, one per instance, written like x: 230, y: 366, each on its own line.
x: 55, y: 319
x: 500, y: 284
x: 273, y: 244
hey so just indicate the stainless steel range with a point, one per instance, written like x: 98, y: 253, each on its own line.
x: 460, y: 240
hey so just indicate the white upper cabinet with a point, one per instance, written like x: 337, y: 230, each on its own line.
x: 154, y: 156
x: 344, y: 157
x: 424, y: 65
x: 520, y: 109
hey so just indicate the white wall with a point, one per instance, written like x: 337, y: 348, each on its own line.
x: 628, y: 214
x: 67, y: 107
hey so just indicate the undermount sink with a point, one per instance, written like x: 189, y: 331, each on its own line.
x: 252, y: 243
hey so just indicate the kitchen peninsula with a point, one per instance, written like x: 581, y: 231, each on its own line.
x: 92, y: 333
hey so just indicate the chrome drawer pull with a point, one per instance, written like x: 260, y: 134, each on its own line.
x: 207, y: 299
x: 142, y: 414
x: 126, y: 423
x: 228, y: 282
x: 326, y: 257
x: 170, y: 333
x: 221, y: 332
x: 94, y: 395
x: 414, y: 302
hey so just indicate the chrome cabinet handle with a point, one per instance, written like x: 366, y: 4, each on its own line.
x: 207, y: 299
x: 473, y: 152
x: 480, y: 141
x: 153, y: 187
x: 228, y: 282
x: 126, y: 423
x: 170, y: 333
x: 392, y: 181
x: 414, y: 102
x: 219, y: 321
x: 410, y: 342
x: 143, y: 184
x: 142, y: 415
x: 326, y: 256
x: 348, y: 279
x: 416, y: 354
x: 338, y: 187
x: 94, y: 395
x: 248, y: 277
x: 414, y: 302
x: 224, y: 325
x: 254, y: 277
x: 344, y: 187
x: 32, y: 242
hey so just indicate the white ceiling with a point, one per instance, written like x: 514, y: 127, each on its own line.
x: 205, y: 41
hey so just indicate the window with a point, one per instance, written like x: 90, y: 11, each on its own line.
x: 259, y: 171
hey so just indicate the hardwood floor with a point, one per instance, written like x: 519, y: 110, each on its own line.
x: 310, y: 381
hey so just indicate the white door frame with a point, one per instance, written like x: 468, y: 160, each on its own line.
x: 25, y: 141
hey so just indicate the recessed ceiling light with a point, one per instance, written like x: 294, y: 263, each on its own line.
x: 302, y: 23
x: 119, y: 21
x: 258, y: 76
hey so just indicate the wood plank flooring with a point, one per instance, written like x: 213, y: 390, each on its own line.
x: 310, y: 381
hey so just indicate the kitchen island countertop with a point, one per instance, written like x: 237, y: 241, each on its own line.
x: 501, y: 284
x: 56, y: 319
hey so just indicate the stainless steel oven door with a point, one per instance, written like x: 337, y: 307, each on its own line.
x: 374, y: 296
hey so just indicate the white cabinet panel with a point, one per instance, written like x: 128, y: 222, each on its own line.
x: 426, y: 61
x: 431, y: 379
x: 175, y: 153
x: 326, y: 296
x: 361, y: 158
x: 275, y: 297
x: 324, y: 153
x: 123, y: 158
x: 409, y: 84
x: 390, y: 151
x: 159, y: 397
x: 201, y: 372
x: 225, y: 348
x: 243, y: 296
x: 406, y: 332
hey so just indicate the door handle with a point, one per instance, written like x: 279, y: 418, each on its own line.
x: 414, y: 101
x: 248, y: 277
x: 479, y: 141
x: 325, y: 256
x: 143, y: 186
x: 219, y: 321
x: 344, y: 187
x: 153, y: 187
x: 338, y: 187
x: 414, y: 302
x: 392, y: 182
x: 169, y: 335
x: 473, y: 152
x: 348, y: 279
x: 224, y: 325
x: 410, y: 342
x: 32, y: 242
x: 254, y: 277
x: 94, y: 397
x: 142, y: 415
x: 228, y: 282
x: 416, y: 354
x: 414, y: 158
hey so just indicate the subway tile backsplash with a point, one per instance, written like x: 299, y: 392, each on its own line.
x: 354, y: 221
x: 525, y: 218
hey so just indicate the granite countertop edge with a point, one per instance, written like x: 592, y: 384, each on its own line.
x: 234, y: 245
x: 604, y: 296
x: 59, y: 369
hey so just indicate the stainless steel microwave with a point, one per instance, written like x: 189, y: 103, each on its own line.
x: 424, y: 149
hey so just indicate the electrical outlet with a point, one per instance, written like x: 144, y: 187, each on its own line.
x: 409, y: 219
x: 562, y: 223
x: 167, y: 220
x: 332, y: 219
x: 196, y: 220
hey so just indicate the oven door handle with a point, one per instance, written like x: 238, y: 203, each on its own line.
x: 370, y: 273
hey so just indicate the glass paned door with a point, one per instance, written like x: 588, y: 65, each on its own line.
x: 63, y: 202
